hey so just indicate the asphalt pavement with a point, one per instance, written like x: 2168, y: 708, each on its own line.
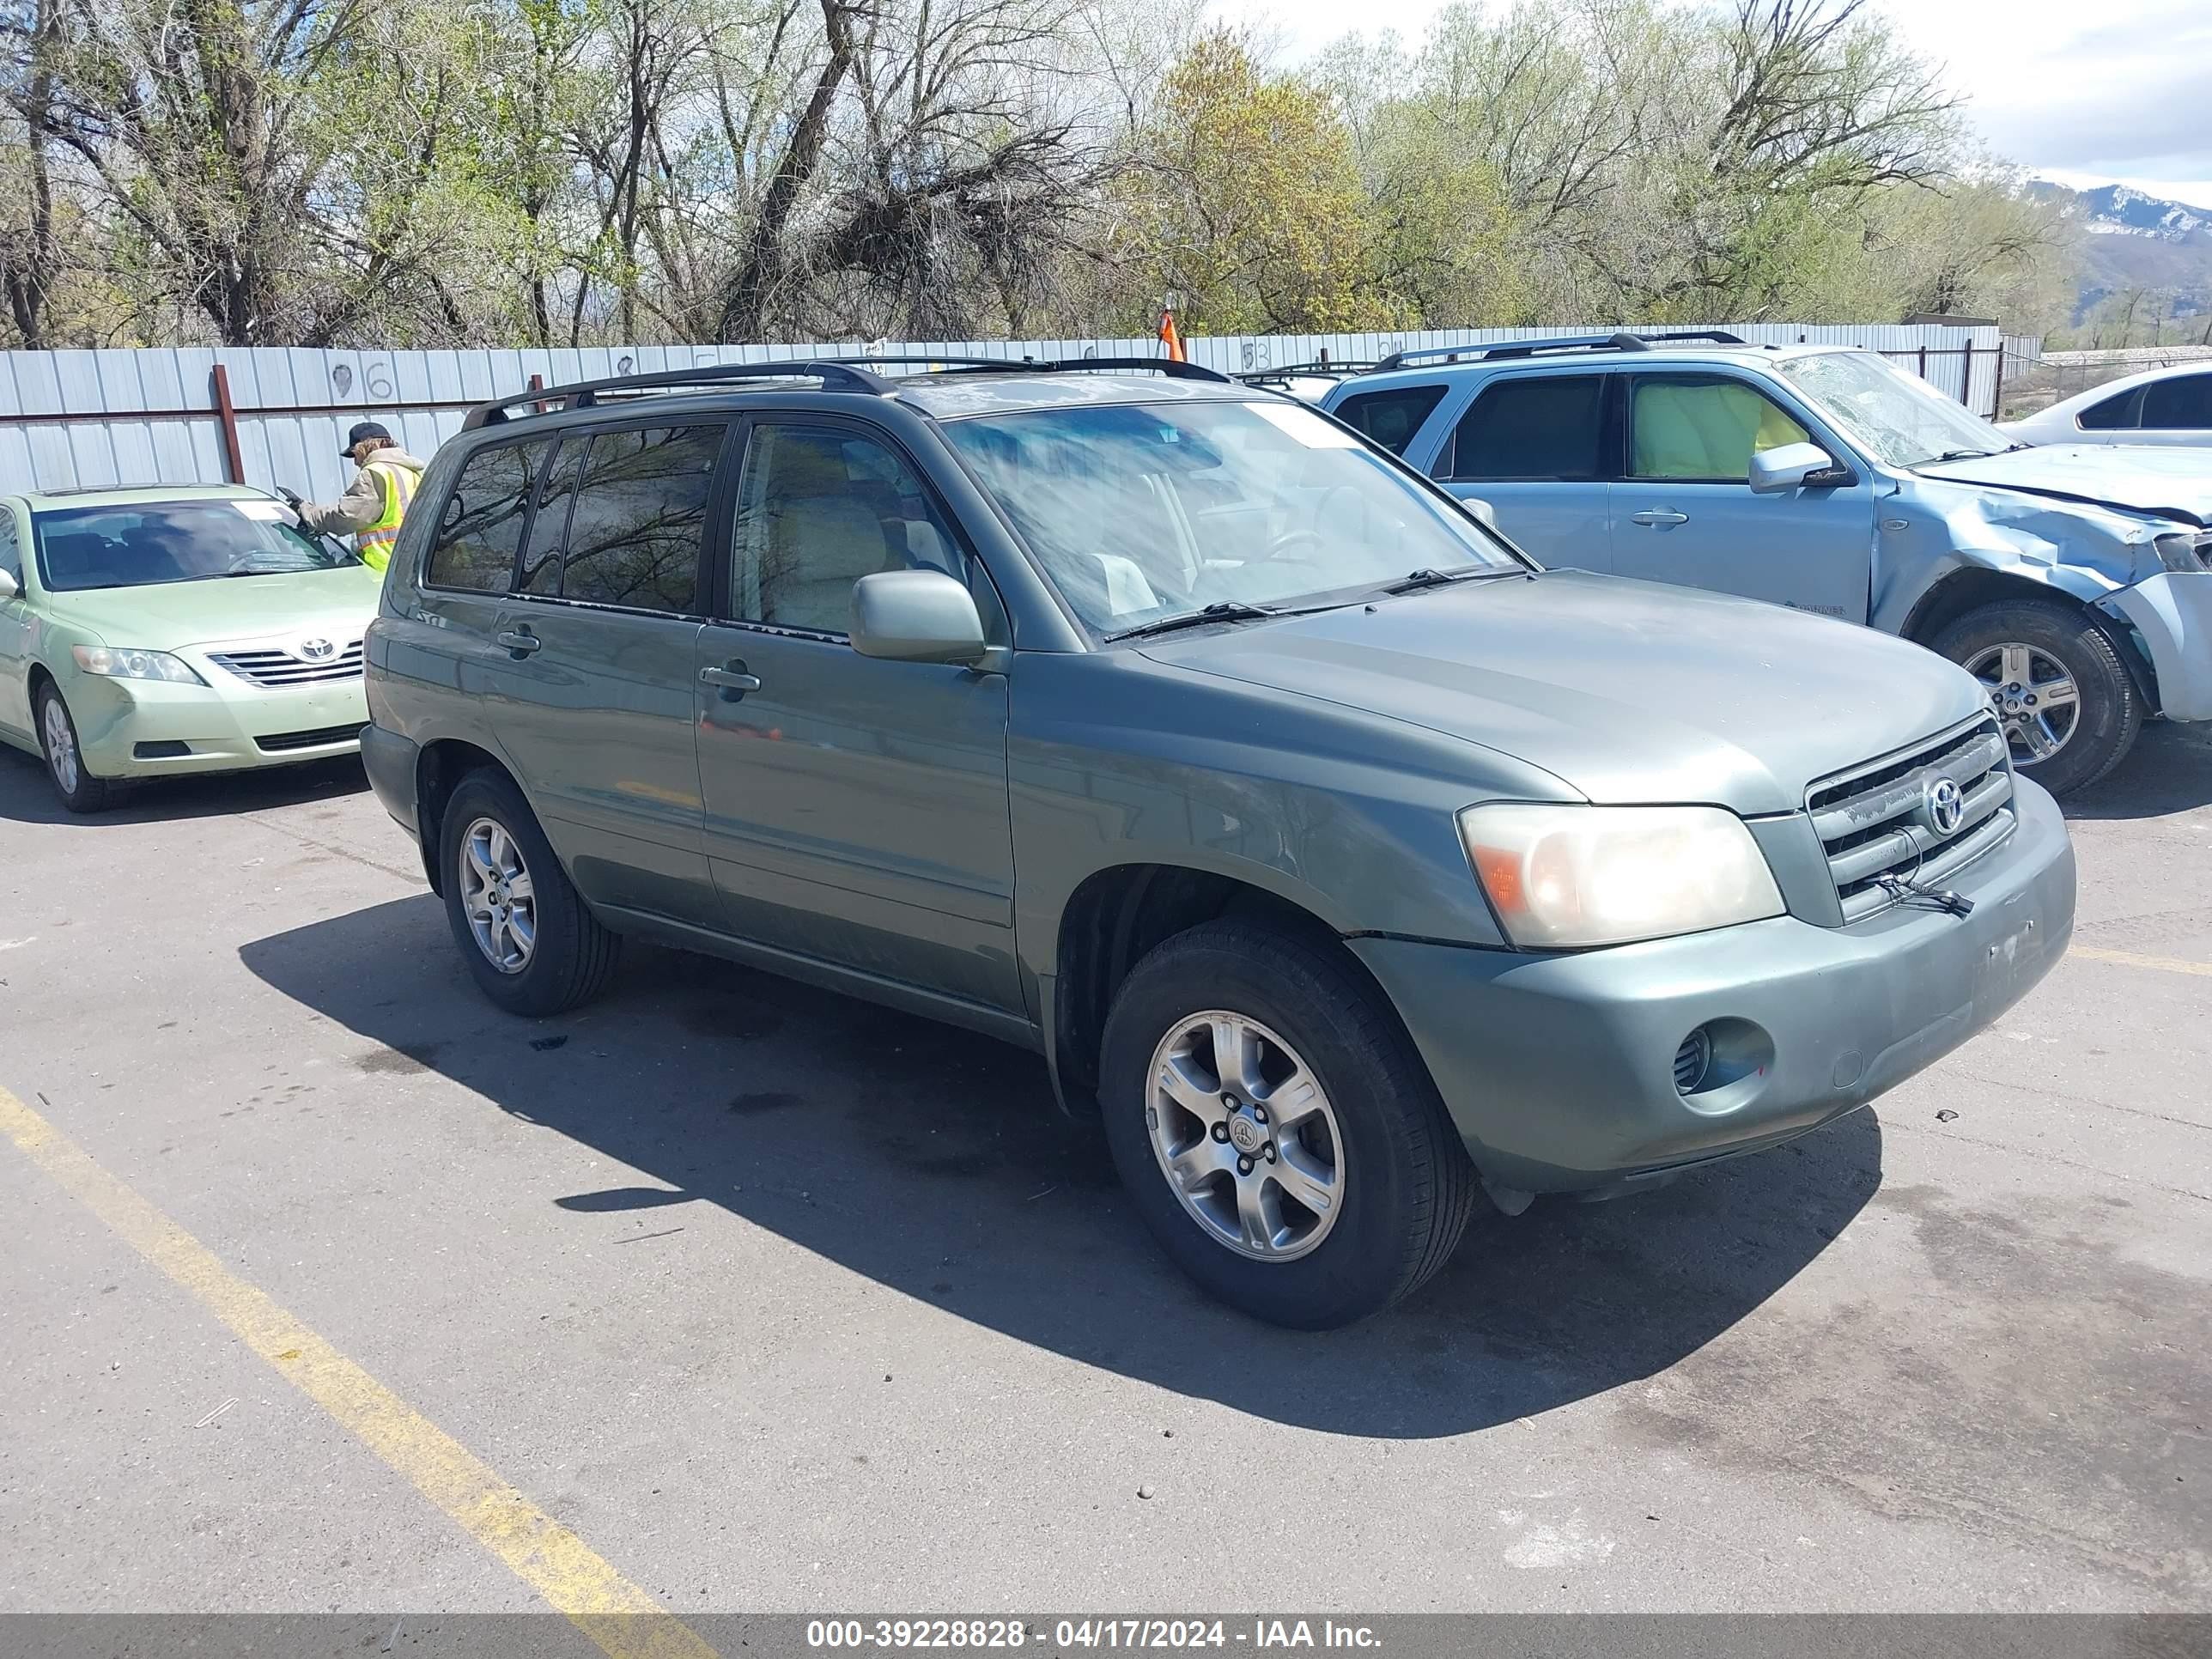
x: 772, y: 1301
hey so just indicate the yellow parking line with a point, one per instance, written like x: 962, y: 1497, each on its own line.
x: 2130, y: 959
x: 623, y: 1618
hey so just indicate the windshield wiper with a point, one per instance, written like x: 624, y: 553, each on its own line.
x: 1220, y: 611
x: 1413, y: 581
x: 1964, y: 455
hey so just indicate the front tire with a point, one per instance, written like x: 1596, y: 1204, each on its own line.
x: 2069, y: 708
x: 531, y: 945
x: 1276, y: 1130
x: 73, y: 781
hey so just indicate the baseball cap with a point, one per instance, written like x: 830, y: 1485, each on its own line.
x: 362, y: 433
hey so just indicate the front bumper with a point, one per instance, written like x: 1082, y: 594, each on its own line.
x: 133, y: 728
x: 2172, y: 614
x: 1559, y: 1070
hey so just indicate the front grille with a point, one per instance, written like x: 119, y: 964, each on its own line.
x: 279, y: 669
x: 315, y: 739
x: 1875, y: 821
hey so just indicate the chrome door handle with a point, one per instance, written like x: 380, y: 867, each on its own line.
x: 733, y: 679
x: 1660, y: 517
x: 520, y: 641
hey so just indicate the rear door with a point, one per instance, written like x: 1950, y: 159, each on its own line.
x: 1538, y: 445
x: 1684, y: 512
x: 857, y: 810
x: 592, y: 681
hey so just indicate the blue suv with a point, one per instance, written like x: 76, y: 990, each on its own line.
x: 2076, y: 583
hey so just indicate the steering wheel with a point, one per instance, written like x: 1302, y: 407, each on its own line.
x: 1290, y: 539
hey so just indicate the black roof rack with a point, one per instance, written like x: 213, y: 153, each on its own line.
x: 1305, y: 371
x: 1621, y: 341
x: 836, y: 373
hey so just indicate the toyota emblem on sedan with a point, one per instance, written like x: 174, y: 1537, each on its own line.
x: 317, y: 650
x: 1946, y: 806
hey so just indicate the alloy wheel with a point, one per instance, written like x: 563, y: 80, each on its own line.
x: 2035, y: 695
x: 61, y: 746
x: 1245, y: 1136
x: 498, y: 897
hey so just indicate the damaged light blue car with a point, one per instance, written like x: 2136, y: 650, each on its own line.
x: 2076, y: 583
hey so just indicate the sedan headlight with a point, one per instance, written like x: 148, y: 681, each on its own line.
x: 1568, y: 876
x: 121, y: 663
x: 2185, y: 550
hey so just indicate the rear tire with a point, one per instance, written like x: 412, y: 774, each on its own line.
x: 532, y: 943
x: 2020, y: 649
x: 73, y: 781
x: 1402, y: 1180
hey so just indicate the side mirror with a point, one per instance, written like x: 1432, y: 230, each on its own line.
x: 1479, y: 509
x: 1795, y: 466
x: 915, y: 616
x: 9, y: 587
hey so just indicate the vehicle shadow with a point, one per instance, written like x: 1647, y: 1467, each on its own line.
x: 27, y: 796
x: 934, y: 1162
x: 2169, y: 770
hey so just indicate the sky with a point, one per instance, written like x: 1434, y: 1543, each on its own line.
x: 2081, y: 91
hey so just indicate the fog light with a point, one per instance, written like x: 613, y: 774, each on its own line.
x: 1692, y: 1060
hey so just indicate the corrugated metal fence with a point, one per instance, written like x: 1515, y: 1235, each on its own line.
x: 71, y: 419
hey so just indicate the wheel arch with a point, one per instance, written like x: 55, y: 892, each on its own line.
x: 1972, y: 587
x: 1118, y: 914
x: 440, y: 767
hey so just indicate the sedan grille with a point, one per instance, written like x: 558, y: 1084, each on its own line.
x: 1887, y: 820
x: 279, y: 669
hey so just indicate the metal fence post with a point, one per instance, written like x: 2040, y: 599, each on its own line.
x: 227, y: 418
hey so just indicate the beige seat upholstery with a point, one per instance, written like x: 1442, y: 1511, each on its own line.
x: 821, y: 536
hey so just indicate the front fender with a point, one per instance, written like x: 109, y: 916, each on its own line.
x: 2172, y: 614
x: 1933, y: 531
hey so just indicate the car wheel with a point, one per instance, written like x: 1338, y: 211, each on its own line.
x: 2069, y: 708
x: 528, y: 939
x: 80, y: 790
x: 1276, y: 1130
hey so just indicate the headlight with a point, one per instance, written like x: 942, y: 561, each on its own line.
x: 1564, y: 876
x: 2183, y: 550
x: 125, y: 665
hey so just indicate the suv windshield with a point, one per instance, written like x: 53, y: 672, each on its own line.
x: 1139, y: 511
x: 1899, y: 417
x: 152, y: 542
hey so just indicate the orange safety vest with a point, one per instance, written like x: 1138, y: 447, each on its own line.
x: 375, y: 542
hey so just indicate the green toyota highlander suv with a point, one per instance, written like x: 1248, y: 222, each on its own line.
x: 1338, y: 858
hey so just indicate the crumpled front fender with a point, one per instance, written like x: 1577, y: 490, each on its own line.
x: 2172, y: 613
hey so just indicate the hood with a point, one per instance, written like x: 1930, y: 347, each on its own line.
x: 335, y: 602
x: 1629, y: 691
x: 2173, y: 483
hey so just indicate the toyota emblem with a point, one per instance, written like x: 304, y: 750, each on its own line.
x: 317, y: 650
x: 1946, y: 806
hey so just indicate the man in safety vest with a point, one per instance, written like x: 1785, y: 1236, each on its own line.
x: 376, y: 500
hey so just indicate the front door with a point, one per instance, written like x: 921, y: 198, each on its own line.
x: 1534, y: 446
x: 856, y: 809
x: 1684, y: 512
x: 592, y: 679
x: 16, y: 628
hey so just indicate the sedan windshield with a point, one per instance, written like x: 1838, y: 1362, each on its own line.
x: 153, y: 541
x: 1899, y: 417
x: 1140, y: 512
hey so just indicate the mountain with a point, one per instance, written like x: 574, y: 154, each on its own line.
x: 2138, y: 245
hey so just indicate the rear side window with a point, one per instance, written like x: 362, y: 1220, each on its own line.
x: 1391, y: 417
x: 1545, y: 427
x: 2180, y: 405
x: 481, y: 528
x: 2112, y: 415
x: 640, y: 519
x: 549, y: 525
x: 1706, y: 431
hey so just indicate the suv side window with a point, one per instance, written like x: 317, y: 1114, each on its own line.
x: 2113, y: 415
x: 2182, y: 403
x: 480, y: 528
x: 1391, y: 417
x: 639, y: 521
x: 819, y: 507
x: 1548, y: 427
x: 1703, y: 430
